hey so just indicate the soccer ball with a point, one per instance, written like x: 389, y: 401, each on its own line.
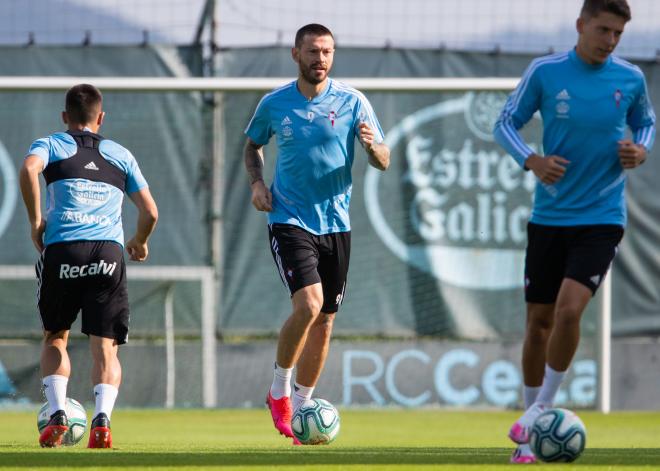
x: 315, y: 422
x: 558, y: 435
x: 76, y: 416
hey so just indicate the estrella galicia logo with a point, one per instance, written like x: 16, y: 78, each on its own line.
x: 458, y: 206
x: 8, y: 189
x: 89, y: 193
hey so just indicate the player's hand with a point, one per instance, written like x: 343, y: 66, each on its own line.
x: 631, y: 155
x: 37, y: 234
x: 262, y: 199
x: 549, y: 169
x: 366, y: 136
x: 137, y: 251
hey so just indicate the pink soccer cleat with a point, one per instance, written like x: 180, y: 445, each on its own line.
x: 281, y: 411
x: 522, y: 455
x: 519, y: 432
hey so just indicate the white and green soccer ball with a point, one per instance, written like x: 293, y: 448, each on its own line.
x: 558, y: 435
x: 76, y: 416
x: 315, y: 422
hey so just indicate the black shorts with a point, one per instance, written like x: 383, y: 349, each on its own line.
x: 88, y: 276
x: 581, y: 253
x: 304, y: 259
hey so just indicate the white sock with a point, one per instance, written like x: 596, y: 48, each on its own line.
x: 55, y: 391
x: 281, y: 382
x: 551, y: 382
x: 301, y: 394
x: 104, y: 396
x: 530, y: 393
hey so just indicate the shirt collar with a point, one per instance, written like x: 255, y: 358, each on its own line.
x: 580, y: 62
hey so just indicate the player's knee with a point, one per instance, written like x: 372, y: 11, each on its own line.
x: 56, y: 339
x: 568, y: 315
x: 324, y: 322
x: 308, y: 308
x: 539, y: 327
x: 538, y: 334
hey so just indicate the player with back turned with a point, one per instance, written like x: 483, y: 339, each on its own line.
x: 587, y: 99
x: 315, y: 121
x: 80, y: 239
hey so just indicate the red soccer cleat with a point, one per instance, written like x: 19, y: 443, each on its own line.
x: 281, y: 411
x: 53, y: 433
x: 99, y: 433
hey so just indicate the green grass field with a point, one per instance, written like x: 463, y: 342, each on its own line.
x: 369, y: 439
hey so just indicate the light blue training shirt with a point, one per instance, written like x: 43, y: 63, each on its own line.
x: 585, y: 111
x: 79, y: 209
x: 315, y: 140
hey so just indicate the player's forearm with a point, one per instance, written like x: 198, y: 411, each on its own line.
x: 147, y: 219
x: 254, y: 162
x: 379, y: 156
x: 507, y: 136
x: 29, y: 181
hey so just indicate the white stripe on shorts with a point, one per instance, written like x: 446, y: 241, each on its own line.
x: 278, y: 260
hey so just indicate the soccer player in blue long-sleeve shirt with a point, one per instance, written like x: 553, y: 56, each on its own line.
x: 587, y: 99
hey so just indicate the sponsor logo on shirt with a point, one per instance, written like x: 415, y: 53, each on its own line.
x: 90, y: 193
x: 82, y: 218
x: 617, y: 97
x: 286, y: 121
x: 287, y: 133
x: 562, y: 107
x: 91, y: 166
x: 80, y: 271
x: 562, y: 110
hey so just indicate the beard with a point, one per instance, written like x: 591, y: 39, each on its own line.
x: 308, y: 73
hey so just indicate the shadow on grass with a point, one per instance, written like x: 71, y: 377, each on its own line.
x: 305, y: 456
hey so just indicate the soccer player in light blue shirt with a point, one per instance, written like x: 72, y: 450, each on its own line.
x: 587, y: 99
x: 81, y: 268
x: 315, y: 121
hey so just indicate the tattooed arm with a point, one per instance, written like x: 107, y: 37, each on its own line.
x: 253, y: 157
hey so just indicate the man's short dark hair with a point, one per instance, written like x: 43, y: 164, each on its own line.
x: 83, y: 103
x: 313, y: 29
x: 620, y: 8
